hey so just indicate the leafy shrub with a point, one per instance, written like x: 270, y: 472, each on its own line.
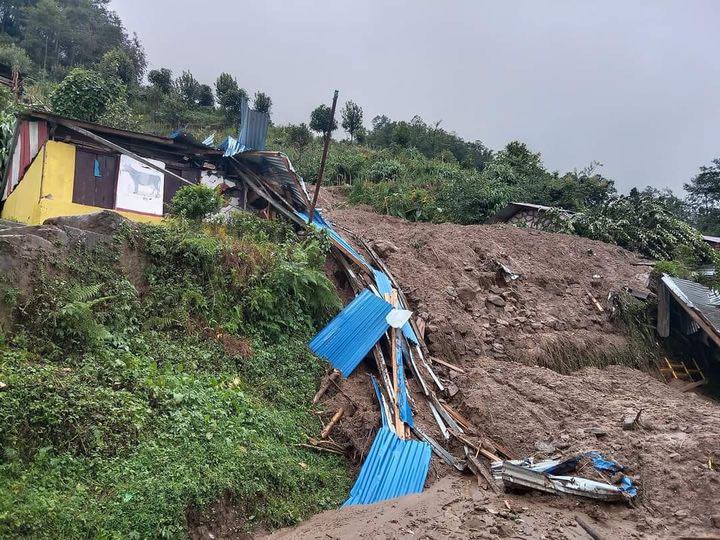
x: 117, y: 437
x: 85, y: 94
x: 385, y: 169
x: 195, y: 202
x: 473, y: 198
x: 641, y: 223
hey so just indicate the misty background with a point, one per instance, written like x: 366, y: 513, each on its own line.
x: 633, y: 85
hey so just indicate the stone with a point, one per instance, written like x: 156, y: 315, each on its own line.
x: 466, y: 294
x: 452, y: 389
x: 496, y: 300
x: 715, y: 521
x: 384, y: 248
x: 544, y: 447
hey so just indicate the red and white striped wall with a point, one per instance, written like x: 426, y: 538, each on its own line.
x: 31, y: 138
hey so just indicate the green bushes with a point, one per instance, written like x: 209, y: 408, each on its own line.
x: 123, y: 408
x: 641, y: 223
x: 195, y: 202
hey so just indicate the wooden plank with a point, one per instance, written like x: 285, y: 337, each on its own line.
x: 460, y: 419
x: 663, y: 310
x: 334, y: 420
x: 483, y: 471
x: 449, y: 365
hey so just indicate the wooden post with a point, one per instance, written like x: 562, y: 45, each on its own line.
x: 335, y: 419
x: 663, y: 310
x: 328, y: 135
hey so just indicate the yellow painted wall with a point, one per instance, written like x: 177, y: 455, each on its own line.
x: 49, y: 192
x: 22, y: 204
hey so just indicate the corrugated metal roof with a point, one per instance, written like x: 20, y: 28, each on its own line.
x: 394, y: 467
x: 346, y: 339
x: 253, y: 131
x: 384, y: 285
x: 403, y: 402
x: 278, y: 175
x: 702, y: 300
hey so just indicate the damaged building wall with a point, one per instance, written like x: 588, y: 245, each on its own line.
x: 46, y: 189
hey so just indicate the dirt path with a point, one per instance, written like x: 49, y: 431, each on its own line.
x: 449, y: 272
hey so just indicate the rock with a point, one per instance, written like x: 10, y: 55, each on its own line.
x: 536, y: 325
x: 498, y: 347
x: 496, y: 300
x: 715, y: 521
x: 544, y: 447
x: 452, y: 389
x: 630, y: 421
x: 384, y: 248
x: 466, y: 294
x: 105, y: 222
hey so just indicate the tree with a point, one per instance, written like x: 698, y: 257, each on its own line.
x: 118, y: 63
x: 704, y: 197
x: 320, y: 120
x: 704, y: 187
x: 205, y: 96
x: 352, y: 117
x: 161, y: 79
x: 263, y: 103
x: 231, y: 105
x: 225, y: 83
x: 85, y: 94
x: 299, y: 137
x: 188, y: 88
x: 45, y: 27
x: 16, y: 58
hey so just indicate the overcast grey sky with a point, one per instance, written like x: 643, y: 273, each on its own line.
x: 634, y: 84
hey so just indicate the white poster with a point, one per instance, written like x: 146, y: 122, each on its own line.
x: 140, y: 188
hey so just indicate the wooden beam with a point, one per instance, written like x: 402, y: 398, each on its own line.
x: 663, y: 310
x: 334, y: 420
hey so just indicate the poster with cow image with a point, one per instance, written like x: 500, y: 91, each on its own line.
x: 139, y: 187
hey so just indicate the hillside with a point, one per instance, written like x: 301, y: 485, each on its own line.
x: 575, y: 404
x: 149, y: 372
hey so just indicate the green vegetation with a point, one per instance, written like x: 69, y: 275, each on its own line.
x: 142, y: 385
x: 196, y: 202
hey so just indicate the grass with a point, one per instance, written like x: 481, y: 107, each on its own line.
x: 120, y: 414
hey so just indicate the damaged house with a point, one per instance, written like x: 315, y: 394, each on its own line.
x: 63, y: 167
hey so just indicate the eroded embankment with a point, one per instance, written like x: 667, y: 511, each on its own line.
x: 498, y: 333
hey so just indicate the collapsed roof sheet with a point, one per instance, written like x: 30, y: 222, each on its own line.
x: 504, y: 214
x: 346, y: 339
x: 696, y: 298
x: 394, y: 467
x: 277, y: 174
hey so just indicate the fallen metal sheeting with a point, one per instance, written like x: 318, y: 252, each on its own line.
x: 350, y: 336
x: 394, y: 467
x: 551, y: 477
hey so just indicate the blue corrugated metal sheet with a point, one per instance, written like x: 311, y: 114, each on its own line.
x: 393, y: 468
x: 320, y: 223
x: 384, y: 285
x: 405, y: 410
x: 253, y: 128
x: 378, y: 395
x: 346, y: 340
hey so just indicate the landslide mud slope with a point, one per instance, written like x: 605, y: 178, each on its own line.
x: 501, y: 335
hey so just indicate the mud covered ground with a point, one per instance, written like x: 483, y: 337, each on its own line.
x: 501, y: 334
